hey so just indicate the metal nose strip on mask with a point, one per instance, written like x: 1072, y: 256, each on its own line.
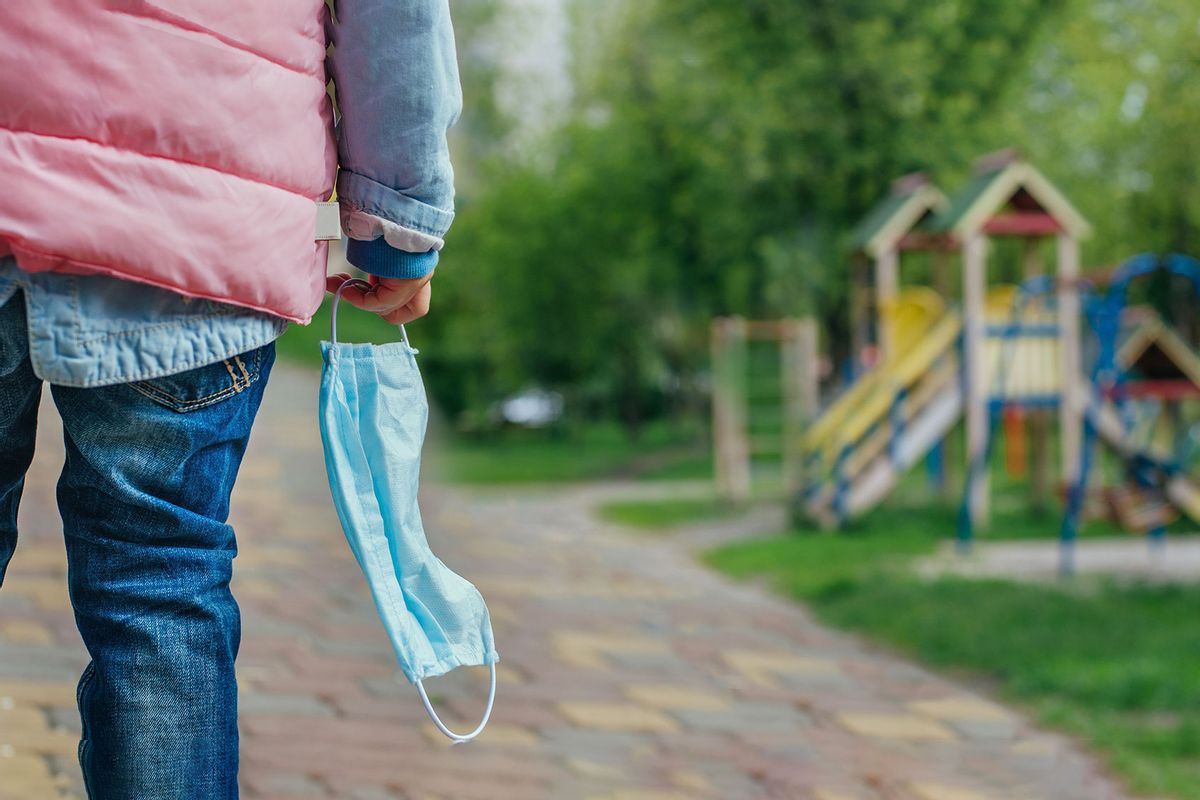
x: 456, y: 738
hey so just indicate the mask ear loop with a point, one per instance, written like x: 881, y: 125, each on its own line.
x: 333, y: 309
x: 404, y: 338
x: 337, y: 296
x: 461, y: 738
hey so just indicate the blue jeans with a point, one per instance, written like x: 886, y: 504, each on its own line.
x: 144, y: 498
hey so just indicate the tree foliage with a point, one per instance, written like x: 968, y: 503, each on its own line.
x: 718, y: 151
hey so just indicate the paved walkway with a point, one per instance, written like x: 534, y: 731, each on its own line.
x: 1176, y: 559
x: 628, y: 672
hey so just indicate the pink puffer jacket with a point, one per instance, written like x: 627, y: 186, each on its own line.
x: 180, y: 143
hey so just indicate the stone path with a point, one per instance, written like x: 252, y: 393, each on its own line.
x: 628, y: 672
x: 1174, y: 560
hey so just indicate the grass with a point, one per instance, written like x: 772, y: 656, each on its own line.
x: 662, y: 516
x: 1116, y: 665
x: 695, y: 464
x: 301, y: 344
x: 594, y: 451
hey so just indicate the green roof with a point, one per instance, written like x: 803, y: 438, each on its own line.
x: 876, y: 219
x: 963, y: 201
x: 910, y: 200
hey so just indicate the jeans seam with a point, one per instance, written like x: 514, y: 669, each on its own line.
x: 159, y: 395
x: 85, y: 683
x: 186, y: 405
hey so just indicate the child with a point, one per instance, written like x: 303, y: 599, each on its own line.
x: 162, y: 167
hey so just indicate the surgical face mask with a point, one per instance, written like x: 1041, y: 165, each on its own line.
x: 373, y: 417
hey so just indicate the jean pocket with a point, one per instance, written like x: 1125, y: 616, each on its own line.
x: 208, y: 385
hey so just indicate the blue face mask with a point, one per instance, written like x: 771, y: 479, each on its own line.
x: 373, y: 416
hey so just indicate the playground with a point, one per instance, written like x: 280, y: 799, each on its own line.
x: 1049, y: 359
x: 1002, y: 477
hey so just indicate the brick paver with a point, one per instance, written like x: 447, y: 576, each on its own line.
x: 628, y: 671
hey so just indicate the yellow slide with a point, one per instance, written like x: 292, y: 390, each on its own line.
x: 897, y: 412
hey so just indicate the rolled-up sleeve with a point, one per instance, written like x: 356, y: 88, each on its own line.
x: 395, y: 70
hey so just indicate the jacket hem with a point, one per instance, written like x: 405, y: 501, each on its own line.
x: 80, y: 267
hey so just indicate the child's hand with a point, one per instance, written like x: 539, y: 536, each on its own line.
x: 396, y: 300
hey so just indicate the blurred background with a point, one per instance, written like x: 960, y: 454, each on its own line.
x: 633, y: 172
x: 687, y: 257
x: 628, y: 171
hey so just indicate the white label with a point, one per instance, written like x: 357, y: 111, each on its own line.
x: 329, y: 222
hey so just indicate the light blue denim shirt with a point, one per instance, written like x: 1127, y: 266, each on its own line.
x: 94, y: 330
x: 395, y: 69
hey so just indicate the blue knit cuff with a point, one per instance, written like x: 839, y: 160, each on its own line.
x: 381, y: 259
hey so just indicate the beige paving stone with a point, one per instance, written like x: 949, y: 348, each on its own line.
x: 1035, y: 747
x: 274, y: 556
x: 894, y: 726
x: 454, y: 520
x: 16, y: 769
x: 258, y: 468
x: 20, y: 718
x: 646, y: 794
x: 821, y: 793
x: 587, y: 650
x: 672, y: 697
x: 761, y: 666
x: 599, y: 590
x: 509, y: 675
x: 48, y: 594
x: 60, y: 694
x: 617, y: 717
x: 961, y: 709
x: 1041, y: 751
x: 941, y: 791
x: 492, y: 549
x: 31, y: 788
x: 42, y: 742
x: 495, y: 733
x: 499, y: 586
x: 25, y: 632
x: 503, y: 612
x: 692, y: 781
x: 588, y: 768
x: 42, y: 558
x: 258, y: 587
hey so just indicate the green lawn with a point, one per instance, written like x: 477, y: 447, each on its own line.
x: 589, y: 452
x: 663, y: 516
x: 1117, y: 666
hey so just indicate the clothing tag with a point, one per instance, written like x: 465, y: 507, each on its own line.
x: 329, y: 222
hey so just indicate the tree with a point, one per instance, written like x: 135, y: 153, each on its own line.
x: 717, y: 152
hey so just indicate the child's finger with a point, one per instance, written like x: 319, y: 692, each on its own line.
x: 335, y: 281
x: 371, y: 300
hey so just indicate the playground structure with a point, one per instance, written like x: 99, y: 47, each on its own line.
x: 939, y: 365
x: 791, y: 406
x: 1010, y: 352
x: 1147, y: 365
